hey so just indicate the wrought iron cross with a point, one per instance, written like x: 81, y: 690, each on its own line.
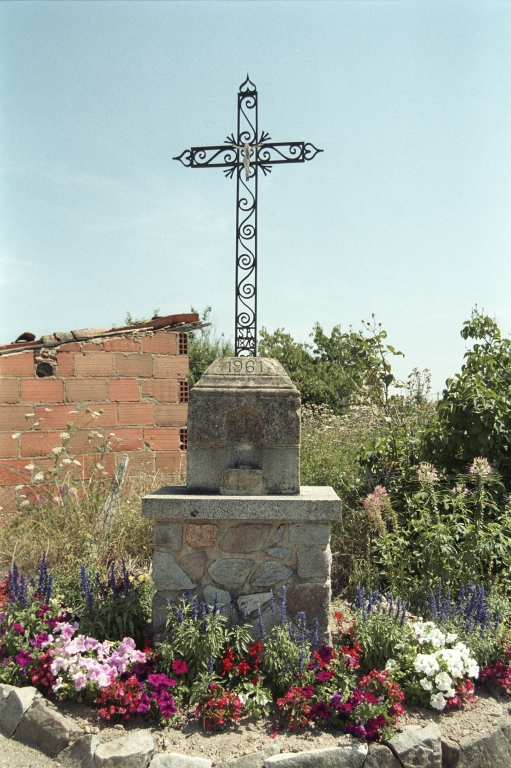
x: 243, y: 155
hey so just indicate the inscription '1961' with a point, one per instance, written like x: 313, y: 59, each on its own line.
x: 245, y: 366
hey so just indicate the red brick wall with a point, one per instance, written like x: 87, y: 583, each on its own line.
x: 126, y: 385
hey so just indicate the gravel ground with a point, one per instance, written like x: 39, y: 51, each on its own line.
x: 253, y: 735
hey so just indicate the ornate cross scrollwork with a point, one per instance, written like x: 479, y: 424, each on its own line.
x: 242, y: 154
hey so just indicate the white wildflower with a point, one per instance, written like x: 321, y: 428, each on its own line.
x: 18, y: 487
x: 48, y: 410
x: 30, y: 467
x: 28, y: 415
x: 25, y: 503
x: 78, y: 464
x: 58, y: 449
x: 100, y: 466
x: 16, y: 435
x: 480, y: 467
x: 39, y: 476
x: 64, y: 435
x: 427, y: 473
x: 73, y: 411
x: 65, y: 461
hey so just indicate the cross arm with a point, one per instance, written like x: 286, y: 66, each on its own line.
x: 285, y: 152
x: 222, y: 156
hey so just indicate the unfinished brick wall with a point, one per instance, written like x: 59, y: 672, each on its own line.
x: 132, y: 385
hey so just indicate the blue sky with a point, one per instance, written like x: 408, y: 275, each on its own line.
x: 406, y: 213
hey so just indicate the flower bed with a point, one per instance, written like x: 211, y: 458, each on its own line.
x: 212, y: 662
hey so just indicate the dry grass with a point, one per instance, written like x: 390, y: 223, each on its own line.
x: 62, y: 526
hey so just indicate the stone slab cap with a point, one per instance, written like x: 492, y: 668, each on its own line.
x: 176, y: 503
x: 233, y: 373
x: 418, y: 747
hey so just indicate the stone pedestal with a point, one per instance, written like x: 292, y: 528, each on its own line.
x: 243, y: 526
x: 247, y: 545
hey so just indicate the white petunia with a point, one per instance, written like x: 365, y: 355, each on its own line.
x: 391, y: 663
x: 426, y: 684
x: 451, y: 637
x: 437, y: 701
x: 443, y: 681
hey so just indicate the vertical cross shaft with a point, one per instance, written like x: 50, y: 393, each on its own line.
x: 243, y: 155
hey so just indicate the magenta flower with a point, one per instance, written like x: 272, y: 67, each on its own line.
x: 18, y: 628
x: 23, y: 658
x: 179, y: 667
x: 144, y: 704
x: 324, y: 676
x: 166, y: 704
x: 160, y: 680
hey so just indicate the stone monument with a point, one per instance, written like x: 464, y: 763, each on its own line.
x: 242, y: 525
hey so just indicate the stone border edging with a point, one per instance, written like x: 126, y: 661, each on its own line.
x: 28, y: 717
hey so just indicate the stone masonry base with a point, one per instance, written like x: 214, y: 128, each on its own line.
x: 245, y: 560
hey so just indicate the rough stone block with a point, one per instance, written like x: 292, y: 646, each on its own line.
x: 450, y: 753
x: 195, y: 563
x: 231, y: 572
x: 254, y: 760
x: 223, y: 596
x: 349, y: 756
x: 249, y: 603
x: 278, y: 536
x: 80, y: 754
x: 312, y: 534
x: 284, y: 553
x: 15, y: 706
x: 167, y: 574
x: 175, y: 760
x: 161, y: 602
x: 419, y: 747
x: 132, y: 751
x: 245, y: 538
x: 201, y: 536
x: 4, y: 692
x: 168, y: 535
x: 270, y: 573
x: 311, y: 598
x: 381, y: 757
x: 488, y: 750
x: 314, y: 563
x: 44, y: 727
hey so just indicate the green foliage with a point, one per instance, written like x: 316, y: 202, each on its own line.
x: 337, y: 369
x: 378, y: 628
x: 204, y: 347
x: 119, y: 608
x: 474, y: 416
x: 198, y: 634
